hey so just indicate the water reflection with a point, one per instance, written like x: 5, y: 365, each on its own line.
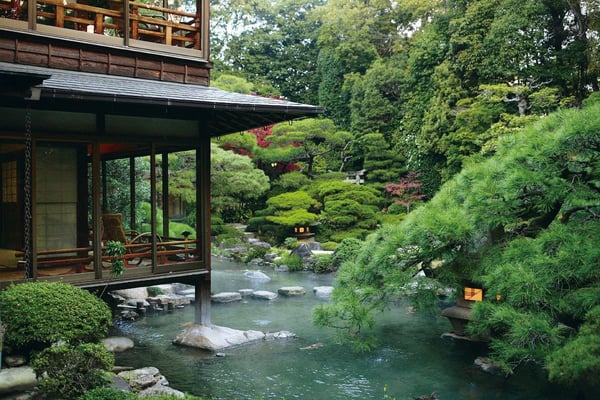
x: 411, y: 358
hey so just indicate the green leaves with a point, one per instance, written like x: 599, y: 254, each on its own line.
x: 235, y: 182
x: 38, y: 314
x: 525, y: 225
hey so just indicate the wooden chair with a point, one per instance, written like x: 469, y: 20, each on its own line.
x: 138, y: 245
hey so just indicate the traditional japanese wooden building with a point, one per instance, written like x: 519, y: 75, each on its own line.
x: 93, y: 89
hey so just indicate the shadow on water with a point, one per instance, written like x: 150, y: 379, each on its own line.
x: 411, y: 358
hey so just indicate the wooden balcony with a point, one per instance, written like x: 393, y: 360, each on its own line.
x: 121, y: 37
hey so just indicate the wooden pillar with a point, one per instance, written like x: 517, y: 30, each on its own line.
x: 202, y: 301
x: 202, y: 296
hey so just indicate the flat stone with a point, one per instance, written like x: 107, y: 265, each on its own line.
x: 323, y: 292
x: 17, y: 379
x: 226, y: 297
x: 117, y: 344
x: 291, y: 291
x: 246, y: 292
x: 280, y: 335
x: 176, y: 299
x: 264, y: 295
x: 15, y: 361
x: 215, y: 338
x: 256, y: 275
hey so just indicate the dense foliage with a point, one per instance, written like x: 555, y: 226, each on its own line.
x: 414, y: 72
x: 437, y: 103
x: 235, y: 183
x: 525, y: 226
x: 38, y: 314
x: 65, y: 371
x: 408, y: 87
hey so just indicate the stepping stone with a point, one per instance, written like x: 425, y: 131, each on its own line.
x: 246, y: 292
x: 291, y: 291
x: 226, y: 297
x: 264, y: 295
x: 323, y: 292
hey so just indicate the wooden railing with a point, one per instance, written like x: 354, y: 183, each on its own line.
x: 146, y: 22
x: 170, y: 27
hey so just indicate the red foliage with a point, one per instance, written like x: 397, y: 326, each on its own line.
x: 406, y: 191
x: 261, y: 134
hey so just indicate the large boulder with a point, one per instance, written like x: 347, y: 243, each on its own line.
x: 143, y: 378
x: 214, y: 338
x: 302, y: 250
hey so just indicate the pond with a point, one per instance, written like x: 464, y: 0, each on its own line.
x: 411, y: 358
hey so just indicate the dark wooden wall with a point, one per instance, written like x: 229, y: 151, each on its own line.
x: 29, y: 49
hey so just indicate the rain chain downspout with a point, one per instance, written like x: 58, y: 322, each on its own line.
x: 27, y: 246
x: 1, y: 339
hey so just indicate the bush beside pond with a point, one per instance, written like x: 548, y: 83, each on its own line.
x: 38, y: 314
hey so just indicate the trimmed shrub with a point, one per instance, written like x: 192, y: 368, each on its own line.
x: 291, y: 242
x: 347, y: 250
x: 67, y: 372
x: 329, y: 246
x: 324, y: 264
x: 293, y: 262
x: 255, y: 252
x: 37, y: 314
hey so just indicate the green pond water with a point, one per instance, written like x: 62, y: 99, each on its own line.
x: 411, y: 358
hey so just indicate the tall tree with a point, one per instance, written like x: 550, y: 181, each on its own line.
x: 276, y: 45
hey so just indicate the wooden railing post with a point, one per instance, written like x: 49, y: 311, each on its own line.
x: 134, y: 22
x: 168, y: 34
x: 60, y: 16
x: 99, y: 24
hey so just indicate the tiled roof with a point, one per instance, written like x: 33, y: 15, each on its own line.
x: 220, y: 111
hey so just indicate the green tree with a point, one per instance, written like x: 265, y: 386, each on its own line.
x: 275, y: 44
x: 524, y: 225
x: 235, y: 183
x: 316, y: 143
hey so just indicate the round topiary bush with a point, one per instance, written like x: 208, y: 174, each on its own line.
x: 37, y: 314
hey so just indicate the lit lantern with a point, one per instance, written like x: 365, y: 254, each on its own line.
x: 473, y: 294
